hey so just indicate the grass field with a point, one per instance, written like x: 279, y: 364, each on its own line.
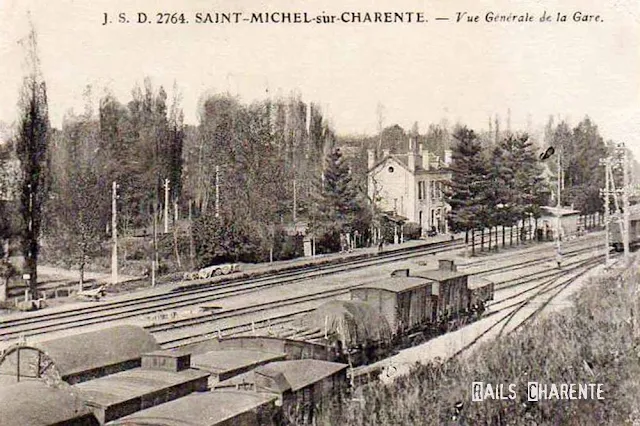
x: 595, y: 341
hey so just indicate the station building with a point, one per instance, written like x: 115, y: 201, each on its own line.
x: 410, y: 185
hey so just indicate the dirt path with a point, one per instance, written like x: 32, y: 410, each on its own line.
x: 49, y: 273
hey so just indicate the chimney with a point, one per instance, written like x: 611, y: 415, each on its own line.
x: 447, y: 157
x: 425, y: 159
x: 447, y: 265
x: 371, y: 158
x: 411, y: 161
x: 410, y: 145
x: 385, y: 153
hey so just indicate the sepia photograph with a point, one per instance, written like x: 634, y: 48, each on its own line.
x: 333, y: 213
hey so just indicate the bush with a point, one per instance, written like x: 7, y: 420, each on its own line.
x: 291, y: 247
x: 594, y: 342
x: 412, y: 231
x: 224, y: 239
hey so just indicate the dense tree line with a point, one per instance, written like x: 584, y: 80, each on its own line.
x: 503, y: 180
x: 246, y: 171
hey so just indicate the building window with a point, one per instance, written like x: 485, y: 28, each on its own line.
x: 390, y: 169
x: 420, y: 190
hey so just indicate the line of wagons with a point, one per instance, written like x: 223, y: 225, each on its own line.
x: 401, y: 310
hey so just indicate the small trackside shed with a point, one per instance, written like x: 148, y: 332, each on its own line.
x: 404, y: 301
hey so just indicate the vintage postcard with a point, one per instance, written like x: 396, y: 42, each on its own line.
x: 322, y: 213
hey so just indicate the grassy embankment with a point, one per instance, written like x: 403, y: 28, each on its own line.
x: 595, y: 341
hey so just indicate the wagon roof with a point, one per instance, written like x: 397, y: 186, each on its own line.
x: 231, y: 359
x: 298, y: 373
x: 203, y: 408
x: 477, y: 282
x: 440, y: 274
x: 397, y: 284
x: 35, y: 403
x: 86, y: 351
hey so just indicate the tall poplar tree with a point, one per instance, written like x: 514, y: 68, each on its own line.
x: 31, y: 146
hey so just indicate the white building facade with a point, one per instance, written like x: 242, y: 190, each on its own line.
x: 411, y: 185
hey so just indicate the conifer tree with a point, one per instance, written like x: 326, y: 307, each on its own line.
x: 467, y: 191
x: 337, y: 207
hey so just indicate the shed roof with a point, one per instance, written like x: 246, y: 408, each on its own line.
x: 199, y: 409
x: 299, y: 373
x: 34, y: 403
x: 563, y: 211
x: 87, y: 351
x: 397, y: 284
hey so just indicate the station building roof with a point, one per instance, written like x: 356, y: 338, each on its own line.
x: 200, y: 409
x: 33, y: 403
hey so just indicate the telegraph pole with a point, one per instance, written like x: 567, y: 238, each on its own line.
x: 217, y: 191
x: 166, y: 206
x: 192, y: 251
x: 114, y: 234
x: 625, y: 201
x: 558, y: 207
x: 295, y: 207
x: 154, y: 260
x: 605, y: 194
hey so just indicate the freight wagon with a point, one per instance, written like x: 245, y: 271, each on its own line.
x: 412, y: 307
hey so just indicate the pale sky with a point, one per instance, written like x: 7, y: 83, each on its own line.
x: 420, y: 72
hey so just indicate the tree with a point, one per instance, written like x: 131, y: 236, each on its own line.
x: 338, y: 209
x: 9, y: 225
x: 466, y: 193
x: 31, y: 146
x: 79, y: 205
x: 502, y: 194
x: 228, y: 239
x: 437, y: 139
x: 587, y: 181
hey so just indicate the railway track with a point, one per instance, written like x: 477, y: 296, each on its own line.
x: 137, y: 307
x: 99, y: 312
x: 544, y: 284
x: 166, y: 332
x: 551, y: 285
